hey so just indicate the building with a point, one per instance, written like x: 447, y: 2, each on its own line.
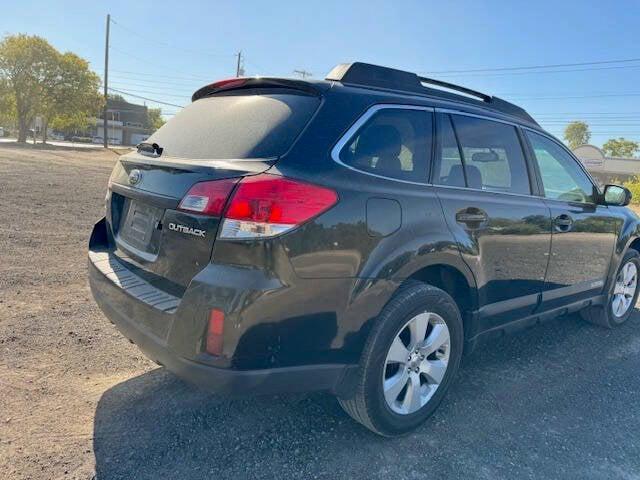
x: 126, y: 123
x: 607, y: 169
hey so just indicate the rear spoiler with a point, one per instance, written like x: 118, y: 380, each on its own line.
x: 255, y: 82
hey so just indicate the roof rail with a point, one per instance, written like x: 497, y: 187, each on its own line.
x: 365, y: 74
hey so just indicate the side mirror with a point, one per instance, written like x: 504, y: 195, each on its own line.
x: 616, y: 195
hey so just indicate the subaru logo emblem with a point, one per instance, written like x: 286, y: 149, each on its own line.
x: 135, y: 176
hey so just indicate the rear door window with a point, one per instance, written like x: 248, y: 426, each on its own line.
x: 448, y: 169
x: 395, y: 143
x: 236, y: 126
x: 492, y: 155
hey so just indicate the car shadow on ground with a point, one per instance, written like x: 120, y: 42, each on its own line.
x: 559, y: 401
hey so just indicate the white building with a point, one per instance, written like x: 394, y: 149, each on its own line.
x: 607, y: 168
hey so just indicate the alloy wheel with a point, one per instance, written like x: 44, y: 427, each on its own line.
x: 625, y: 289
x: 416, y: 363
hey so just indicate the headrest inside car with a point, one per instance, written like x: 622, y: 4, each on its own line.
x: 379, y: 141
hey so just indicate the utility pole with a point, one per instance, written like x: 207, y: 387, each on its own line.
x: 303, y: 73
x: 106, y: 87
x: 239, y: 69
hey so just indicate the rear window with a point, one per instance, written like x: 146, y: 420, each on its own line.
x: 236, y: 126
x: 395, y: 143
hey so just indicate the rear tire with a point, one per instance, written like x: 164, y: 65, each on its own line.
x: 616, y: 311
x: 417, y: 311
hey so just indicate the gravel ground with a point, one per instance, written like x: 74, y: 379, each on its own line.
x: 78, y: 401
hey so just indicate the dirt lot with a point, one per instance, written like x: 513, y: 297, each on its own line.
x: 78, y: 401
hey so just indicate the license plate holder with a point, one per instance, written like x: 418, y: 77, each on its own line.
x: 140, y: 225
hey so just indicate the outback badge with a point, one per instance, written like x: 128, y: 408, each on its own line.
x: 188, y: 230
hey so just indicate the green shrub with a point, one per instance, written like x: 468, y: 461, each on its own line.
x: 634, y: 185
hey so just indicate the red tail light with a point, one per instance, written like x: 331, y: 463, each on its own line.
x: 208, y: 198
x: 214, y: 332
x: 267, y: 205
x: 261, y: 206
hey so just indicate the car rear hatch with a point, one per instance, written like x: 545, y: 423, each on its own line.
x: 217, y: 140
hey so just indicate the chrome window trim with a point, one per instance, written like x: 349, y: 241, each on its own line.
x: 571, y: 155
x: 353, y: 129
x: 495, y: 192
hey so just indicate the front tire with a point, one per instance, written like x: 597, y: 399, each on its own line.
x: 409, y: 361
x: 622, y: 297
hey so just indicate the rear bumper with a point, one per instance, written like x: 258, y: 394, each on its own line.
x: 225, y: 381
x: 147, y: 319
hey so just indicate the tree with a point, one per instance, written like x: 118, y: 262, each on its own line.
x: 26, y: 64
x: 73, y: 98
x: 620, y: 147
x: 154, y: 118
x: 7, y: 104
x: 576, y: 134
x: 39, y: 80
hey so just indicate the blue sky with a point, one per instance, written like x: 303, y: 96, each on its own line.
x: 166, y: 50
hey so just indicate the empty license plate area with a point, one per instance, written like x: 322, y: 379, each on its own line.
x: 139, y: 227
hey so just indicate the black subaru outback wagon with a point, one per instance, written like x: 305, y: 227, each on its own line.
x: 352, y: 235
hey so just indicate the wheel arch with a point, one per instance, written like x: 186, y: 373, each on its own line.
x: 370, y: 295
x: 457, y: 282
x: 450, y: 279
x: 634, y: 244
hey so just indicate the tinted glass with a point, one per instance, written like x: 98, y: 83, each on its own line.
x: 448, y: 168
x: 236, y: 126
x: 393, y: 143
x: 493, y: 155
x: 562, y: 177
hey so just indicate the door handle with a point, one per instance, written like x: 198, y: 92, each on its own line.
x: 471, y: 215
x: 563, y: 223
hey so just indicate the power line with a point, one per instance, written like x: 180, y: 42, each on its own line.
x: 136, y: 57
x: 596, y: 125
x: 168, y: 45
x: 152, y: 92
x: 578, y: 96
x: 303, y: 73
x: 171, y: 87
x: 586, y: 113
x: 454, y: 75
x: 124, y: 92
x: 254, y: 64
x: 149, y: 83
x: 589, y: 117
x: 536, y: 67
x: 592, y: 122
x: 146, y: 74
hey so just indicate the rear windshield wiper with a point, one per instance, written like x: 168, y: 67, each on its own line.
x: 149, y: 149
